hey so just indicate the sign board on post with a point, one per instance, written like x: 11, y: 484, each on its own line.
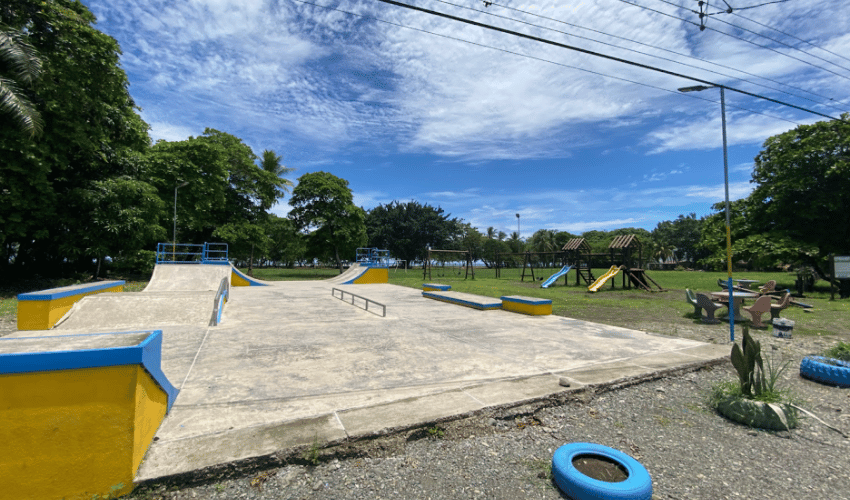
x: 842, y: 267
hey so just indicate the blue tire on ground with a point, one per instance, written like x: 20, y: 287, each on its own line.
x: 574, y: 484
x: 826, y: 370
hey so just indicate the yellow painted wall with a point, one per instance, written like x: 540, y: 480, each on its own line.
x: 374, y: 275
x: 532, y: 309
x: 43, y: 314
x: 236, y: 280
x: 75, y: 434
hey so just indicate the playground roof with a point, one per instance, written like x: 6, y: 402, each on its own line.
x: 577, y: 244
x: 625, y: 241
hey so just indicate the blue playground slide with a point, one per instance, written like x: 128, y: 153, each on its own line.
x: 564, y: 270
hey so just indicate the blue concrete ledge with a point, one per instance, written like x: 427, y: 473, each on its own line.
x: 534, y: 301
x: 36, y: 354
x: 67, y: 291
x: 466, y: 299
x: 434, y: 287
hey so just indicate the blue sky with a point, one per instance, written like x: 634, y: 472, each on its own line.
x: 473, y: 126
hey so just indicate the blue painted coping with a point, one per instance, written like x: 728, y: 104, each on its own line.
x: 455, y: 300
x: 148, y: 353
x: 67, y: 291
x: 444, y: 288
x: 526, y: 300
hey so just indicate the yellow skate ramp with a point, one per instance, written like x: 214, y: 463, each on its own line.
x: 603, y: 279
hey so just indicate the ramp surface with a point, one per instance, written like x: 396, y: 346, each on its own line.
x: 107, y: 311
x: 352, y: 273
x: 188, y: 277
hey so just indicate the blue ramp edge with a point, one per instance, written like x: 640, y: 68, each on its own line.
x: 251, y: 281
x: 564, y: 270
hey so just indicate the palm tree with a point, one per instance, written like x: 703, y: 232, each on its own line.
x: 491, y: 232
x: 502, y: 236
x: 515, y: 242
x: 271, y: 163
x: 19, y: 65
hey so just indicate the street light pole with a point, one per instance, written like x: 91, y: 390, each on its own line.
x: 517, y: 226
x: 174, y: 231
x: 729, y: 286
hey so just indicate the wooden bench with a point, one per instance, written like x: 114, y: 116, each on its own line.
x: 527, y: 305
x: 41, y: 310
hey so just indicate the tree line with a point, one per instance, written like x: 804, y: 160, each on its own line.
x: 82, y: 185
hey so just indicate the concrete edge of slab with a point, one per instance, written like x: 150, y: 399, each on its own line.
x: 335, y: 435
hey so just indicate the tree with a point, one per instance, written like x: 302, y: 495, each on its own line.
x: 287, y: 245
x: 516, y: 243
x: 323, y: 206
x: 406, y: 229
x: 273, y: 185
x: 802, y: 191
x: 20, y: 66
x: 681, y: 235
x: 91, y: 127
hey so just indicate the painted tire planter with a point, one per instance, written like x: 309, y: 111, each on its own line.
x: 578, y: 486
x: 758, y: 414
x: 826, y: 370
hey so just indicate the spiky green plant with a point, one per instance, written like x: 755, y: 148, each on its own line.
x: 749, y: 365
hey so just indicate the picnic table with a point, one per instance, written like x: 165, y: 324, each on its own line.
x: 738, y: 298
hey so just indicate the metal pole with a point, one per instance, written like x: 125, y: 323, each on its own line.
x: 728, y: 228
x: 174, y: 230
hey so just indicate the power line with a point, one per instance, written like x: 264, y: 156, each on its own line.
x: 734, y: 36
x: 449, y: 37
x: 597, y: 54
x: 789, y: 35
x: 663, y: 58
x: 759, y: 34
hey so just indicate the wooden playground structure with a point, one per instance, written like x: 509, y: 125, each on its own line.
x: 624, y: 255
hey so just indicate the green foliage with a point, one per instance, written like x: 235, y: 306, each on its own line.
x: 802, y: 180
x: 91, y: 129
x: 312, y: 454
x: 323, y: 206
x: 286, y: 244
x: 406, y: 229
x: 435, y: 432
x: 20, y: 66
x: 134, y: 262
x: 840, y: 352
x: 679, y: 237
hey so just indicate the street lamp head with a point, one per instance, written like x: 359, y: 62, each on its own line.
x: 697, y: 88
x: 517, y: 216
x: 184, y: 183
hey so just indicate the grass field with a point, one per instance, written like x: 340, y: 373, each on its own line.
x: 660, y: 312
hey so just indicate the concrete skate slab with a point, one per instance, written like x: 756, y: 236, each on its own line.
x: 291, y: 363
x: 146, y: 310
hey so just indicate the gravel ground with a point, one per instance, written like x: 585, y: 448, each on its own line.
x: 690, y: 451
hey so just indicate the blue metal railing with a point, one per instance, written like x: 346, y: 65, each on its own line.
x: 191, y: 253
x: 373, y: 256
